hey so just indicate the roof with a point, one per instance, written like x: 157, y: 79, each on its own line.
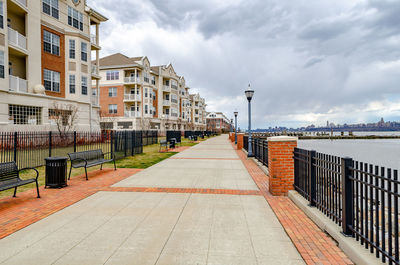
x: 118, y: 59
x: 155, y: 69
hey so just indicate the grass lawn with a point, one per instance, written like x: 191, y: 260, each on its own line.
x: 149, y: 157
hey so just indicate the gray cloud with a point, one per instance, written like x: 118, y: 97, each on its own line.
x: 305, y: 58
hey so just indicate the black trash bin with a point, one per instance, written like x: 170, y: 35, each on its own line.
x: 56, y: 172
x: 195, y: 137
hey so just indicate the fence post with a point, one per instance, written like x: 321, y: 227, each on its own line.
x: 313, y: 178
x: 50, y: 143
x: 347, y: 196
x: 111, y: 142
x: 74, y: 141
x: 125, y: 143
x: 133, y: 143
x: 15, y: 146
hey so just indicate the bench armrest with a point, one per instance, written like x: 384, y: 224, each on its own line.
x: 30, y: 168
x: 78, y: 159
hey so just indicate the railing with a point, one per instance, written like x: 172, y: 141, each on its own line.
x: 95, y: 100
x: 166, y: 88
x: 29, y: 149
x: 93, y: 39
x: 132, y: 114
x: 18, y: 84
x: 132, y: 79
x: 260, y: 150
x: 22, y: 2
x: 16, y: 38
x: 132, y: 97
x: 166, y: 102
x: 95, y: 69
x: 360, y: 197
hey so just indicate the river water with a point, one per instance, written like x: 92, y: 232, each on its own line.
x: 380, y: 152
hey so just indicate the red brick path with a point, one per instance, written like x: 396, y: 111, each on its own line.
x: 315, y: 246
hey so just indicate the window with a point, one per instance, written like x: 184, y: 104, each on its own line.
x: 145, y: 92
x: 112, y: 92
x: 84, y: 51
x: 61, y: 115
x: 72, y: 84
x: 1, y: 15
x: 153, y: 80
x: 51, y: 80
x: 84, y: 85
x: 51, y: 43
x: 75, y: 18
x: 174, y: 84
x: 146, y: 77
x: 1, y: 64
x: 174, y: 98
x: 25, y: 114
x: 72, y: 49
x: 112, y: 108
x: 146, y: 109
x: 50, y: 7
x: 112, y: 75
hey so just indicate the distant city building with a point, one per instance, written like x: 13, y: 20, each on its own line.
x: 217, y: 121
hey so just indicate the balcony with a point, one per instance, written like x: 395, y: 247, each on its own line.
x: 166, y: 102
x: 166, y: 88
x: 132, y: 114
x: 132, y: 80
x: 17, y: 40
x: 95, y: 71
x: 18, y: 84
x: 132, y: 97
x: 95, y: 100
x: 21, y: 2
x: 94, y: 43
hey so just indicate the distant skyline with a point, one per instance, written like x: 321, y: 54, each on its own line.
x: 308, y: 61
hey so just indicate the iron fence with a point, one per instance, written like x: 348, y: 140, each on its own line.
x: 361, y: 197
x: 174, y: 134
x: 260, y: 150
x: 150, y: 137
x: 29, y: 149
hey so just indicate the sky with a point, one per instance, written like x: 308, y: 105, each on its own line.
x: 308, y: 61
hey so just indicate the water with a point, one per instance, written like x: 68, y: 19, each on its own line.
x: 381, y: 152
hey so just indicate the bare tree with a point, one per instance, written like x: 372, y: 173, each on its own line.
x: 105, y: 118
x: 144, y: 124
x: 64, y: 116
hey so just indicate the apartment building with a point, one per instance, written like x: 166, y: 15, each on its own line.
x: 136, y: 95
x: 199, y: 113
x: 218, y: 122
x: 46, y: 49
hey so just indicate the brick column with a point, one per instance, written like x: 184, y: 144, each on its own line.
x: 281, y: 164
x: 240, y: 140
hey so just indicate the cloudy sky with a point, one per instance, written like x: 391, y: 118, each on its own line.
x: 308, y: 61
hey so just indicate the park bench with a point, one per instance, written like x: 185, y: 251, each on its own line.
x: 9, y: 177
x: 90, y: 158
x: 163, y: 143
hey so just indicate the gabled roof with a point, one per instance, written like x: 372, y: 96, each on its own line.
x: 155, y: 69
x: 118, y: 59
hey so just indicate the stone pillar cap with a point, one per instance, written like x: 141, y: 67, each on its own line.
x: 282, y: 138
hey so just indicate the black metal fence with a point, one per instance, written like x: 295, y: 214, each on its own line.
x: 29, y: 149
x: 259, y: 147
x: 360, y: 197
x: 174, y: 134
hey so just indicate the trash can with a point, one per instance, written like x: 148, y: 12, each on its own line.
x: 56, y: 172
x: 172, y: 143
x: 195, y: 137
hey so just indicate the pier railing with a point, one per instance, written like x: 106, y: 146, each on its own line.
x: 361, y: 197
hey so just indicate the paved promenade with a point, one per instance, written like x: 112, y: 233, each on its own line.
x: 201, y: 206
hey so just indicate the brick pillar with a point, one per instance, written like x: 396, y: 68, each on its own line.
x: 281, y: 164
x: 232, y: 135
x: 240, y: 138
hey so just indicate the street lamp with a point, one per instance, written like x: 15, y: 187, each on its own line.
x: 236, y: 113
x: 249, y: 94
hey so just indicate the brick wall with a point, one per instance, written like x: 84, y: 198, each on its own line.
x: 281, y: 164
x: 105, y: 100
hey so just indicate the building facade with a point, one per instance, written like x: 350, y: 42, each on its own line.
x: 46, y: 67
x: 218, y: 122
x: 136, y: 95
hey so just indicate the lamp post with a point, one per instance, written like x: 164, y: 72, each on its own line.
x: 249, y: 94
x: 236, y: 113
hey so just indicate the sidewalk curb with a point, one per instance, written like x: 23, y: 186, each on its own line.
x: 353, y: 249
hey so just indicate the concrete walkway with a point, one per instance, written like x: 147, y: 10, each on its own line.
x: 163, y: 228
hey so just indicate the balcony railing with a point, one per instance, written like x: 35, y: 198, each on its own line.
x: 95, y: 100
x: 166, y: 102
x: 18, y: 84
x: 132, y: 97
x: 132, y: 79
x: 95, y: 69
x: 21, y: 2
x: 16, y: 38
x: 132, y: 114
x: 93, y: 39
x: 166, y: 88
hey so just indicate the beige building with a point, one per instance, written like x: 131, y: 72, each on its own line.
x: 136, y: 95
x: 46, y: 51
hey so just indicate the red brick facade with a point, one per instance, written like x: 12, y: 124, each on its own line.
x: 105, y: 100
x: 54, y: 62
x: 281, y: 165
